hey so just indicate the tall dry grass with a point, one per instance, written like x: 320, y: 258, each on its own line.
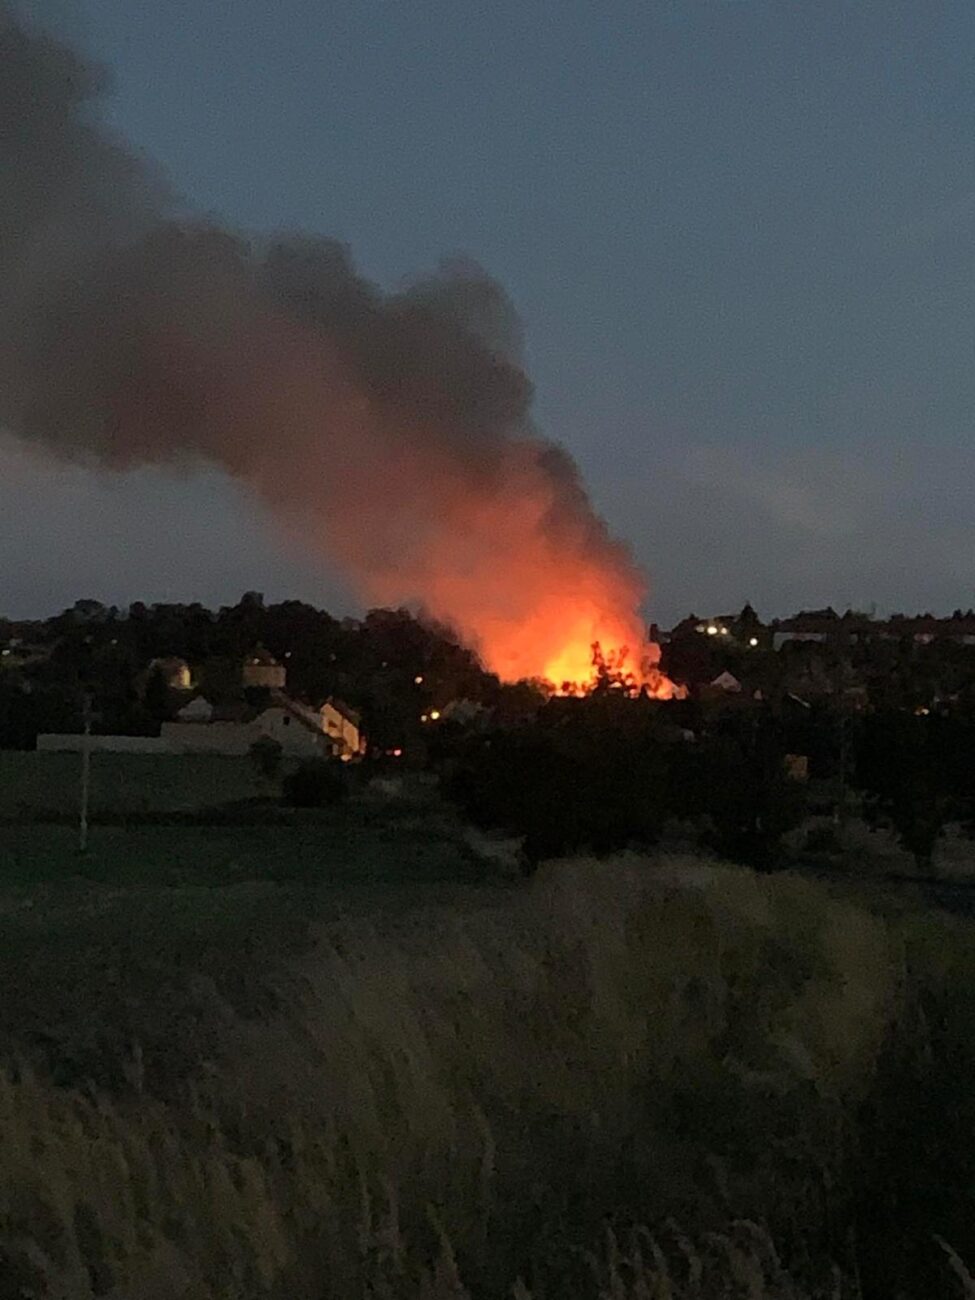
x: 485, y: 1102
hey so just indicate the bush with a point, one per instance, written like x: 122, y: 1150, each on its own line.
x: 317, y: 783
x: 266, y: 754
x: 823, y: 838
x: 588, y: 774
x: 734, y: 780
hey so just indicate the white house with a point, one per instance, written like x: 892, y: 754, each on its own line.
x: 261, y: 669
x: 199, y: 709
x: 302, y: 732
x: 727, y: 682
x: 295, y: 733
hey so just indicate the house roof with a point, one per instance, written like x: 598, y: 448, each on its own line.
x: 261, y: 655
x: 811, y: 620
x: 347, y: 712
x: 300, y: 712
x: 198, y: 707
x: 242, y: 713
x: 928, y: 625
x: 727, y: 681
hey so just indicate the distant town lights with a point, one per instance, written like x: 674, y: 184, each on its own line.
x: 712, y: 629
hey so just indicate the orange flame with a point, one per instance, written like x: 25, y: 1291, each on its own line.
x: 500, y: 542
x: 531, y: 587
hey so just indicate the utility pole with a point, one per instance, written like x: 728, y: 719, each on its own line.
x: 840, y: 814
x: 85, y: 775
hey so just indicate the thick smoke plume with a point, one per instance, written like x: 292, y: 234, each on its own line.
x: 391, y: 432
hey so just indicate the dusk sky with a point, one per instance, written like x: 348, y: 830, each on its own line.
x: 740, y: 235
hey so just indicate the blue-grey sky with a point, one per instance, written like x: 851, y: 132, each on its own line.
x: 740, y: 234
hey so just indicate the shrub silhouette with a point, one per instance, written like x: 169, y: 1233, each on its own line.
x: 266, y: 754
x: 315, y: 783
x: 585, y: 775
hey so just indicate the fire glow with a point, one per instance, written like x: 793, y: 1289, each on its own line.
x: 519, y: 564
x: 389, y: 433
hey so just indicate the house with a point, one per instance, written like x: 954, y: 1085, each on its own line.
x: 175, y: 673
x: 335, y: 720
x: 261, y: 670
x: 817, y: 626
x: 727, y: 682
x: 925, y: 629
x: 199, y: 709
x: 745, y: 627
x: 201, y: 728
x: 234, y: 735
x: 17, y: 654
x: 301, y: 731
x: 343, y: 726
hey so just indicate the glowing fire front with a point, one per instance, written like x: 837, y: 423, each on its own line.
x: 512, y: 557
x: 577, y: 668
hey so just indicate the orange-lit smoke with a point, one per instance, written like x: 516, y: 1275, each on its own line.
x: 497, y: 539
x: 390, y: 433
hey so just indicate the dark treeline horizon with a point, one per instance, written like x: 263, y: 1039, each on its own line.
x: 122, y: 609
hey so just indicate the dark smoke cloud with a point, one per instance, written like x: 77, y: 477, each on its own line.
x: 392, y: 431
x: 95, y: 278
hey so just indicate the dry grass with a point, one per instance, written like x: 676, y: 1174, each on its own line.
x: 447, y: 1099
x: 121, y: 783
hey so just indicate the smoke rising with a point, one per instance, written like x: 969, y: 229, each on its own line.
x: 389, y: 432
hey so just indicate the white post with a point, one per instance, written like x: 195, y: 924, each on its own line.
x: 85, y: 777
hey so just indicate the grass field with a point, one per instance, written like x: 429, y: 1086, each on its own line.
x: 335, y: 1057
x: 120, y: 783
x: 347, y: 846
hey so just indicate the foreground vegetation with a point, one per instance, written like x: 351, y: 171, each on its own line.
x: 374, y: 1075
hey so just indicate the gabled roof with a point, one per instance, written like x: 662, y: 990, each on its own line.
x: 261, y: 655
x: 308, y: 718
x: 347, y: 712
x: 811, y: 620
x: 727, y: 681
x: 198, y: 709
